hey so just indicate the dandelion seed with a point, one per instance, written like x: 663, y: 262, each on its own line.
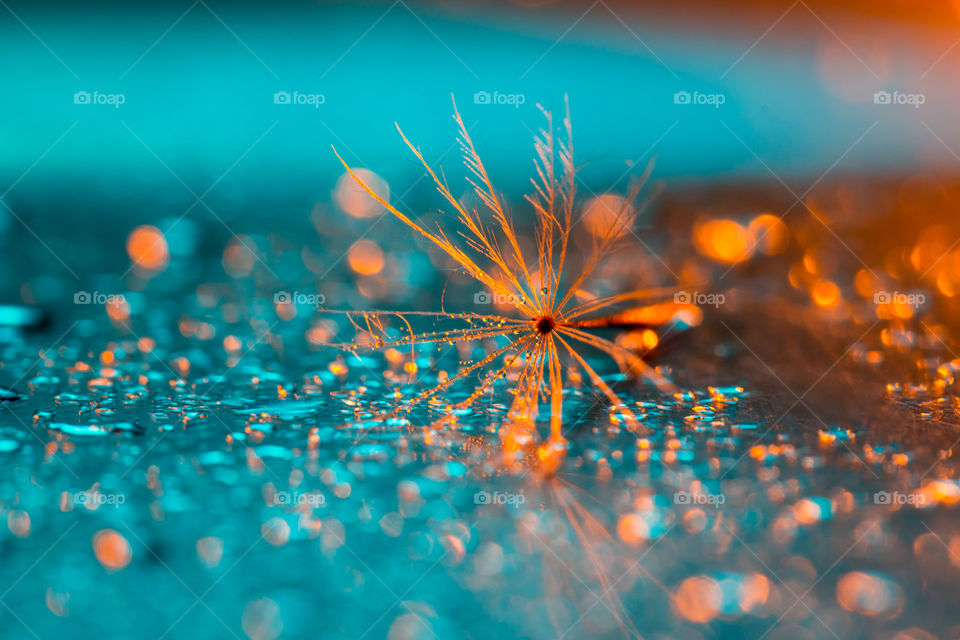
x: 553, y: 316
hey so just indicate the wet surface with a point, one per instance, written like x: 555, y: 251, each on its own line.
x: 189, y: 459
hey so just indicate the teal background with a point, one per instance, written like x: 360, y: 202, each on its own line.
x: 199, y: 80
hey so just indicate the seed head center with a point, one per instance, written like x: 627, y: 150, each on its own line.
x: 545, y: 324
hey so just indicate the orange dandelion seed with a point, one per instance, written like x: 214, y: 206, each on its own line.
x: 549, y: 321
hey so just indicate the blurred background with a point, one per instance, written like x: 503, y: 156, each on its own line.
x: 222, y: 114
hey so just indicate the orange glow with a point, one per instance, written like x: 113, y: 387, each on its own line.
x: 866, y: 283
x: 942, y: 491
x: 365, y: 257
x: 319, y: 335
x: 770, y: 233
x: 694, y: 521
x: 868, y: 594
x: 118, y: 309
x: 147, y: 248
x: 454, y: 547
x: 825, y: 293
x: 633, y: 529
x: 238, y: 259
x: 181, y: 365
x: 698, y: 599
x: 352, y: 198
x: 112, y: 549
x: 807, y: 512
x: 606, y: 216
x: 827, y: 437
x: 641, y: 340
x: 286, y: 310
x: 724, y: 241
x: 955, y: 550
x: 754, y: 591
